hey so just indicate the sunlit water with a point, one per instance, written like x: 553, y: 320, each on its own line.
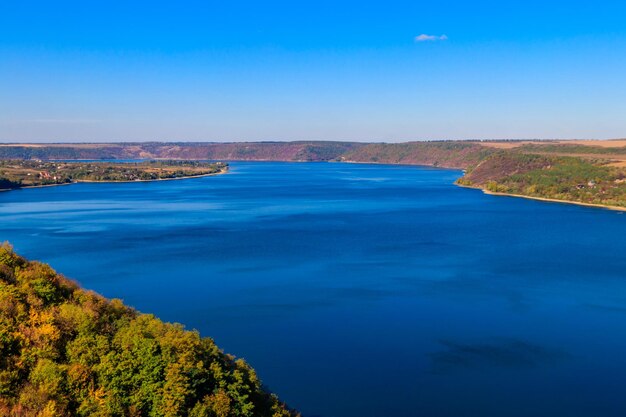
x: 360, y: 290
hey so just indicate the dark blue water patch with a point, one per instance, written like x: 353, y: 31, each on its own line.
x: 360, y: 290
x: 457, y: 357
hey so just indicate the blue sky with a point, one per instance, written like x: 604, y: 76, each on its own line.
x: 286, y: 70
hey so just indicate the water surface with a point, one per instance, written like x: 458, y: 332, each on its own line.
x: 360, y: 290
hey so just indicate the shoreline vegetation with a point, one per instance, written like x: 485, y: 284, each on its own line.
x: 548, y: 200
x: 583, y: 181
x: 590, y: 173
x: 68, y: 351
x: 18, y: 174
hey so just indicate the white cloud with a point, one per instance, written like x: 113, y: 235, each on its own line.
x: 430, y: 38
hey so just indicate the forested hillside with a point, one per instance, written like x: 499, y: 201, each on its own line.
x: 447, y: 154
x: 65, y: 351
x: 583, y: 180
x: 234, y: 151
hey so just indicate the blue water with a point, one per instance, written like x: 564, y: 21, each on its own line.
x: 360, y: 290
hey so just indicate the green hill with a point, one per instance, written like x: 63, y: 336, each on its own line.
x: 565, y: 178
x: 447, y: 154
x: 66, y: 351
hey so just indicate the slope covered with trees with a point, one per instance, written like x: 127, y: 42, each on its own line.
x: 66, y: 351
x: 447, y: 154
x: 566, y: 178
x: 234, y: 151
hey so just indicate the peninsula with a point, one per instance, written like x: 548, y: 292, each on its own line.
x: 36, y: 173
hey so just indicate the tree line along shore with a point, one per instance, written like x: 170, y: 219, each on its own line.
x: 585, y: 172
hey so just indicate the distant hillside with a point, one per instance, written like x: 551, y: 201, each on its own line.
x: 66, y: 151
x: 239, y: 151
x: 65, y: 351
x: 447, y: 154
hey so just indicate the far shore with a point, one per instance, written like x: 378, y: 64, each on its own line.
x: 225, y: 170
x: 221, y: 171
x: 406, y: 164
